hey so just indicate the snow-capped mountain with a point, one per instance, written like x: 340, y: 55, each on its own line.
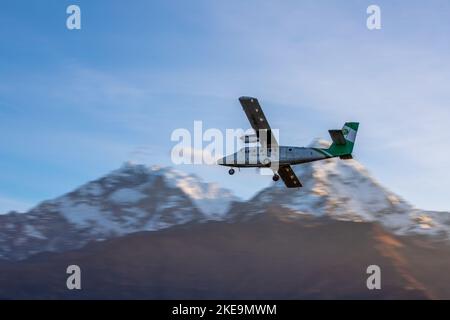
x: 131, y: 199
x: 139, y: 198
x: 344, y: 190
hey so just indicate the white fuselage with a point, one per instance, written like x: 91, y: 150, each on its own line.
x: 261, y: 157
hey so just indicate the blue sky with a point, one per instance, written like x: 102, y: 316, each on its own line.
x: 75, y: 105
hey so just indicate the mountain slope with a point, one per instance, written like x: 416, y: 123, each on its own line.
x: 169, y: 235
x: 344, y: 190
x: 274, y: 255
x: 131, y: 199
x: 137, y: 198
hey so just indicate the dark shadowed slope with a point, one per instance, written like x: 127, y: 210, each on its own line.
x: 276, y: 254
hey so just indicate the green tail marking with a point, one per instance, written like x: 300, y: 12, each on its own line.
x: 349, y: 131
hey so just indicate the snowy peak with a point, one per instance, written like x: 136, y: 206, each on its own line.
x: 130, y: 199
x: 344, y: 190
x: 134, y: 188
x: 138, y: 198
x: 212, y: 200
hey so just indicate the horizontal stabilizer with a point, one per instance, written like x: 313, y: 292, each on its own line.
x: 346, y: 157
x: 337, y: 136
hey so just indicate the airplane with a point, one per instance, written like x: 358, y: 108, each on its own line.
x: 280, y: 158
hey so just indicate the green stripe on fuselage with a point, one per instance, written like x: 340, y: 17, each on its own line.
x: 322, y: 151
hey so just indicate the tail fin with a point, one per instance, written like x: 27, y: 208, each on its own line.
x: 343, y: 140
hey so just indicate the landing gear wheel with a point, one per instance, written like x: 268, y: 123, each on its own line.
x: 275, y: 177
x: 231, y: 172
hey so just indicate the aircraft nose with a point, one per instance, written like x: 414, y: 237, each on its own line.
x: 221, y: 162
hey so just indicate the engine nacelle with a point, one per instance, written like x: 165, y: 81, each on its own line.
x: 252, y: 138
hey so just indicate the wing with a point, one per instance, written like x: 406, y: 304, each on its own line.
x: 288, y: 175
x: 258, y: 121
